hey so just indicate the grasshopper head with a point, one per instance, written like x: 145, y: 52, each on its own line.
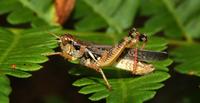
x: 67, y: 39
x: 70, y: 47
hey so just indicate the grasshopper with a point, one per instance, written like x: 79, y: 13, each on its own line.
x: 121, y: 55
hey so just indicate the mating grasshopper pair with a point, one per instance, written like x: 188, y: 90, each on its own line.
x: 125, y: 55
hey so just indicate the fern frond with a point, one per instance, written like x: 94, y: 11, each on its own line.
x: 5, y: 89
x: 124, y: 90
x: 22, y: 52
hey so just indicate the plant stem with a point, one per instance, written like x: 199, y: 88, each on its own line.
x: 179, y: 24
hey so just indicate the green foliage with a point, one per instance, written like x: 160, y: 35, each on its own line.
x: 114, y: 15
x: 21, y: 52
x: 189, y: 58
x: 124, y: 90
x: 175, y: 19
x: 25, y: 11
x: 24, y: 49
x: 178, y: 20
x: 5, y: 89
x: 142, y: 88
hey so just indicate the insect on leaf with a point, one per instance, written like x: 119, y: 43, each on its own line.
x: 126, y: 88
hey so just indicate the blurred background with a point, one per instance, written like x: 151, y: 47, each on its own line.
x: 175, y: 21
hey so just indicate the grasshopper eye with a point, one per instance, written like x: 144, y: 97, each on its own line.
x: 70, y: 42
x: 76, y: 46
x: 143, y: 38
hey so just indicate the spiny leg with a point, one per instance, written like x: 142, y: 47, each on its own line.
x: 110, y: 56
x: 142, y: 38
x: 135, y: 54
x: 98, y: 69
x: 138, y: 37
x: 134, y: 34
x: 105, y: 79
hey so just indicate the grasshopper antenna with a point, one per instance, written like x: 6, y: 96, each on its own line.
x: 54, y: 35
x: 47, y: 31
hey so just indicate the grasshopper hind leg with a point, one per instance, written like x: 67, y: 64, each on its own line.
x: 92, y: 64
x: 105, y: 79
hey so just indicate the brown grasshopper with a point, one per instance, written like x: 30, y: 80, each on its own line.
x: 122, y: 55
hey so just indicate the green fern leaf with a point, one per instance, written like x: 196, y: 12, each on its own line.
x: 124, y: 90
x: 176, y: 19
x: 5, y: 89
x: 25, y: 11
x: 104, y: 14
x: 189, y: 58
x: 22, y: 52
